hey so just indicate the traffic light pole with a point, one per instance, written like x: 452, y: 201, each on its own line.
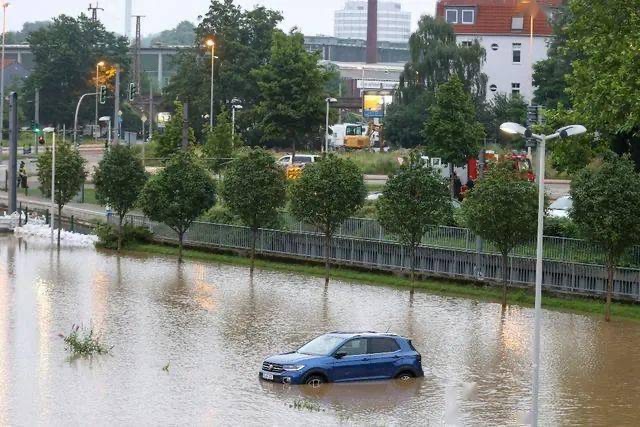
x: 116, y: 103
x: 36, y: 117
x: 75, y: 119
x: 13, y: 153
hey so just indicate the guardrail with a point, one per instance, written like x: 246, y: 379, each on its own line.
x: 559, y: 276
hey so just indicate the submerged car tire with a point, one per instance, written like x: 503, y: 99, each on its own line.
x: 315, y: 380
x: 405, y: 375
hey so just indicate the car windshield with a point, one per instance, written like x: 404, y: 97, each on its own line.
x: 302, y: 159
x: 563, y: 203
x: 321, y: 346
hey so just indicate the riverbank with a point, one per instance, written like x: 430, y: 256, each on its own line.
x: 483, y: 292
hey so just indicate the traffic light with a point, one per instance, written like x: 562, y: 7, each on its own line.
x: 35, y: 127
x: 41, y: 140
x: 133, y: 89
x: 103, y: 94
x: 533, y: 115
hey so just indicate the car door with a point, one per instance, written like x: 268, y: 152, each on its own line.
x: 383, y: 354
x: 352, y: 366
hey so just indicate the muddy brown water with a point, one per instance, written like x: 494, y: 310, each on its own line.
x: 214, y: 326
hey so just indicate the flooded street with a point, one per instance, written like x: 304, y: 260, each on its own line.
x: 214, y: 326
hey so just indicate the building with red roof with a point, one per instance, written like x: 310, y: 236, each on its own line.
x: 514, y: 33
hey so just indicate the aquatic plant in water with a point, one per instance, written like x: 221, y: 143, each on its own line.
x: 83, y: 341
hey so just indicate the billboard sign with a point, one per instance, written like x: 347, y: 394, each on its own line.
x: 375, y: 104
x: 162, y: 119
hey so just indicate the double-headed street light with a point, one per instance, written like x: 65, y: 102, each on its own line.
x: 565, y: 132
x: 212, y: 44
x: 52, y: 131
x: 4, y: 5
x: 326, y: 129
x: 98, y: 66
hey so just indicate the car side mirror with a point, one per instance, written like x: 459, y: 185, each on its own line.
x: 340, y: 355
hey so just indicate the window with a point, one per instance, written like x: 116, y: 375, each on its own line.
x: 467, y: 16
x: 517, y: 53
x: 515, y: 88
x: 353, y: 347
x: 493, y: 88
x: 467, y: 43
x: 321, y: 346
x: 517, y: 23
x: 494, y: 46
x: 452, y: 16
x: 382, y: 345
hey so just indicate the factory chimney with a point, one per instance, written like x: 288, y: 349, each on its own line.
x: 372, y: 32
x: 127, y: 18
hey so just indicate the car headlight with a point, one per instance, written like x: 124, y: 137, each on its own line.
x: 292, y: 367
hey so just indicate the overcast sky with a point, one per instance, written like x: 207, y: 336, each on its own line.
x: 311, y: 16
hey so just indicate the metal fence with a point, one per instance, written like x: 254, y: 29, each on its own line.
x: 569, y: 277
x: 555, y: 248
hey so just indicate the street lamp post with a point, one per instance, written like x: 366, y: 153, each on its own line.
x: 53, y: 177
x: 98, y: 65
x: 234, y: 107
x: 212, y: 45
x: 5, y: 4
x: 565, y: 132
x: 326, y: 128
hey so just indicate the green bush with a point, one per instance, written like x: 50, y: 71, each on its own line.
x: 560, y: 227
x: 108, y: 235
x: 220, y: 214
x: 376, y: 163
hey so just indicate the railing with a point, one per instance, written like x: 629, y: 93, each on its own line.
x: 568, y: 277
x: 555, y: 248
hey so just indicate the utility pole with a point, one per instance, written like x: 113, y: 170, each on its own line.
x: 36, y: 117
x: 94, y: 11
x: 116, y: 110
x: 185, y: 126
x: 150, y: 109
x: 137, y: 62
x: 13, y: 152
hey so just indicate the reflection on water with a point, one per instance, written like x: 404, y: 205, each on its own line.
x: 214, y: 325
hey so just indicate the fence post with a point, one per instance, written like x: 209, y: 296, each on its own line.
x: 20, y: 215
x: 46, y: 217
x: 72, y: 225
x: 26, y: 214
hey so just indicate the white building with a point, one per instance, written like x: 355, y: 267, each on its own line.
x: 504, y: 29
x: 394, y: 24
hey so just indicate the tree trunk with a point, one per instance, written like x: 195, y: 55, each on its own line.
x: 120, y: 233
x: 505, y: 277
x: 451, y: 181
x: 610, y: 274
x: 59, y: 223
x: 254, y: 234
x: 327, y: 265
x: 180, y: 237
x: 413, y: 264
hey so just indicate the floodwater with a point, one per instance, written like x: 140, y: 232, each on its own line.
x: 213, y: 326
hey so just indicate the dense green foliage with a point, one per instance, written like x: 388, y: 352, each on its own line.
x: 184, y: 34
x: 254, y: 188
x: 170, y: 141
x: 327, y: 193
x: 503, y: 209
x: 20, y: 37
x: 69, y: 176
x: 84, y: 342
x: 412, y: 200
x: 219, y: 146
x: 119, y: 178
x: 605, y: 199
x: 504, y: 108
x: 292, y: 88
x: 65, y: 55
x: 110, y: 237
x: 179, y: 194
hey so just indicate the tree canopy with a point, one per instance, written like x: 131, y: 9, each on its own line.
x: 254, y: 188
x: 412, y: 200
x: 605, y: 199
x: 219, y: 145
x: 170, y: 142
x: 184, y: 34
x: 327, y: 193
x: 502, y: 208
x: 65, y: 55
x: 178, y: 194
x: 119, y: 178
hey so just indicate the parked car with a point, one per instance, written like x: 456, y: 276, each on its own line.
x: 345, y: 356
x: 560, y: 208
x: 298, y: 159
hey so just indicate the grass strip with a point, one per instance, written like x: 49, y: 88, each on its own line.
x: 483, y: 292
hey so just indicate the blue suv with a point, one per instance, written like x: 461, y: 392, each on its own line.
x: 345, y: 356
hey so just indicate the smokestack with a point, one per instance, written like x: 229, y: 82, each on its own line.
x: 127, y: 18
x: 372, y: 32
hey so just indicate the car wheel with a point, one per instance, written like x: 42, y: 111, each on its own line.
x: 405, y: 376
x: 315, y: 380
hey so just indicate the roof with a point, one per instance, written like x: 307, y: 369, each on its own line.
x: 493, y: 17
x: 364, y: 333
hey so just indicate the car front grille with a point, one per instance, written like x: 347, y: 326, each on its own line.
x: 272, y: 367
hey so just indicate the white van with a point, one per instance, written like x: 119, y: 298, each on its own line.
x: 298, y: 159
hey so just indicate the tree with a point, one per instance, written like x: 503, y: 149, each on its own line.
x: 219, y: 145
x: 183, y: 34
x: 178, y: 194
x: 69, y: 177
x: 452, y: 131
x: 292, y: 91
x: 403, y: 121
x: 20, y: 37
x: 605, y: 200
x: 65, y: 55
x: 503, y: 209
x: 170, y: 142
x: 327, y: 193
x: 254, y: 188
x: 412, y: 200
x: 603, y: 84
x: 119, y: 178
x: 505, y: 108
